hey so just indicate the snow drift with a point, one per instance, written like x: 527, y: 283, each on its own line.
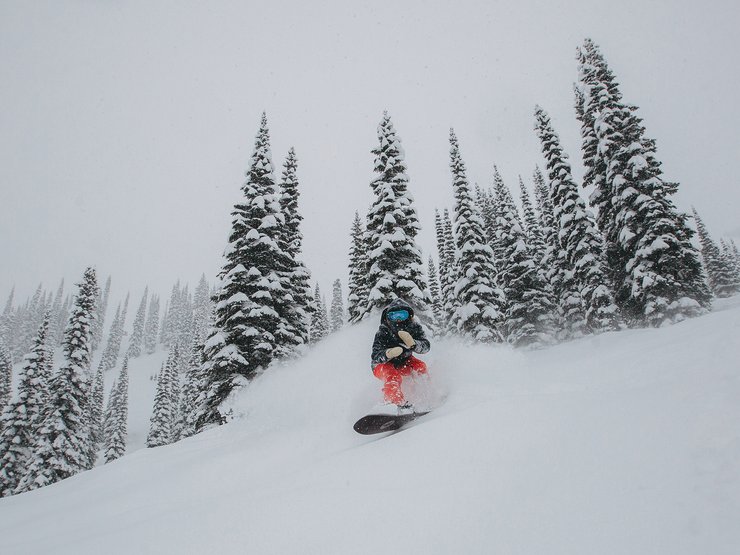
x: 621, y: 443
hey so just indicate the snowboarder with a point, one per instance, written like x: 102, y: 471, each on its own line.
x: 398, y: 336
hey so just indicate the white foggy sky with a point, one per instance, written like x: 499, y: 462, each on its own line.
x: 126, y: 127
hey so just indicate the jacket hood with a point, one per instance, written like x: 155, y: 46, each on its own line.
x: 396, y: 305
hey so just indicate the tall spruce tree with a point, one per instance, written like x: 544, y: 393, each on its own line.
x: 164, y: 413
x: 21, y: 419
x: 396, y: 269
x: 6, y: 374
x: 719, y: 273
x: 480, y: 301
x: 63, y: 444
x: 151, y: 329
x: 295, y: 310
x: 97, y: 407
x: 319, y: 318
x: 337, y: 307
x: 528, y: 320
x: 533, y: 228
x: 577, y: 235
x: 655, y: 268
x: 731, y: 262
x: 450, y: 301
x: 202, y: 311
x: 243, y: 340
x: 102, y: 306
x: 357, y: 284
x: 437, y: 308
x: 137, y: 335
x: 116, y: 417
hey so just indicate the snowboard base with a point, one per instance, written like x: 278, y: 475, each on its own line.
x: 379, y: 423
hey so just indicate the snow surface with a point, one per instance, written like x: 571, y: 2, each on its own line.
x: 622, y: 443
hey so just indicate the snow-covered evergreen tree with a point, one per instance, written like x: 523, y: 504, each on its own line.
x: 731, y: 260
x: 337, y: 307
x: 437, y: 309
x: 357, y: 284
x: 164, y: 414
x: 528, y: 319
x: 56, y: 326
x: 63, y: 445
x: 137, y: 335
x: 7, y: 321
x: 655, y: 269
x: 720, y: 274
x: 116, y: 417
x: 6, y: 374
x: 202, y: 311
x: 102, y: 306
x: 481, y: 302
x: 109, y: 358
x: 21, y: 419
x: 191, y: 393
x: 448, y: 278
x: 97, y: 405
x: 319, y: 318
x: 578, y: 237
x: 294, y: 309
x: 396, y: 269
x: 533, y: 227
x: 247, y: 318
x: 151, y: 329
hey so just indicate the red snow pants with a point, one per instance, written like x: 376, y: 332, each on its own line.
x: 393, y: 377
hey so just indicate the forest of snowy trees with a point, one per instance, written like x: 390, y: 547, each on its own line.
x: 551, y: 267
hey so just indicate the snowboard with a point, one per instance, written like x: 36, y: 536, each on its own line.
x: 379, y: 423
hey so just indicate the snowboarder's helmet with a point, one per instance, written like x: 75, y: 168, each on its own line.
x: 398, y: 315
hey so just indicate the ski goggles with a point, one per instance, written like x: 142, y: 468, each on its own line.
x: 398, y: 315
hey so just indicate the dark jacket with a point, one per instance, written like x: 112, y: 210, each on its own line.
x: 387, y: 336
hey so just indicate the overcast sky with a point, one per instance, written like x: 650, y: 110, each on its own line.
x: 126, y: 127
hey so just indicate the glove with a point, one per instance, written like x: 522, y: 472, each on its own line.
x: 393, y: 352
x: 407, y: 339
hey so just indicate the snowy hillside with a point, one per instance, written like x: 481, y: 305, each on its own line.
x: 621, y: 443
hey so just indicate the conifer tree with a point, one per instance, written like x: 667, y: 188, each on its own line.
x: 191, y: 391
x: 151, y: 329
x: 337, y: 307
x: 117, y: 417
x: 480, y: 301
x: 243, y: 339
x: 731, y: 258
x: 533, y: 228
x: 319, y: 318
x: 7, y: 321
x: 21, y: 419
x: 578, y: 237
x: 137, y: 336
x: 55, y: 329
x: 655, y: 269
x: 357, y: 284
x: 719, y: 272
x: 296, y: 277
x: 6, y: 374
x: 97, y: 408
x: 102, y: 307
x: 731, y: 269
x: 162, y: 421
x: 528, y: 317
x: 395, y: 265
x: 447, y: 251
x: 63, y: 446
x: 202, y: 310
x: 109, y: 359
x: 437, y: 310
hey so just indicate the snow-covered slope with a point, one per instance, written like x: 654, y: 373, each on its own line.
x: 623, y: 443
